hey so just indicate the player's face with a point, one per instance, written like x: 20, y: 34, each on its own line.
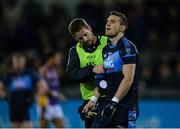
x: 84, y: 36
x: 18, y: 62
x: 57, y: 59
x: 112, y: 26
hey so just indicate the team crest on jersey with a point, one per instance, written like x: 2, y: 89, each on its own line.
x: 128, y: 50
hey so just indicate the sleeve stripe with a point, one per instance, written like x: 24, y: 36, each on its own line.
x: 126, y: 42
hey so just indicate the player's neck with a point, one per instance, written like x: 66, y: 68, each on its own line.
x: 115, y: 39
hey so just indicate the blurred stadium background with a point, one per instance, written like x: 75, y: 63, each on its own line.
x: 36, y: 27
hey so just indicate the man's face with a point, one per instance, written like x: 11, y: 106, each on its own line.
x: 18, y: 62
x: 84, y: 36
x: 112, y: 26
x: 57, y: 59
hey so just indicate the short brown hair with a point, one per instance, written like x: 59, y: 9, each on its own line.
x: 19, y: 55
x: 123, y: 19
x: 76, y: 24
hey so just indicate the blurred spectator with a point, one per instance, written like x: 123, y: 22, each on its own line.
x: 172, y: 21
x: 153, y: 41
x: 146, y: 77
x: 172, y: 41
x: 165, y: 78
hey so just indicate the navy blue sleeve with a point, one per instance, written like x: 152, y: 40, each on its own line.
x: 129, y: 53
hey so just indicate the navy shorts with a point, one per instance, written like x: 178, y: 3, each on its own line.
x: 125, y: 118
x: 122, y: 118
x: 19, y: 113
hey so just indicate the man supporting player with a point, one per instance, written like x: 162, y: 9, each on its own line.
x: 120, y: 58
x: 82, y: 60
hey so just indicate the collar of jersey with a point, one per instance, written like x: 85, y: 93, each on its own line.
x: 111, y: 45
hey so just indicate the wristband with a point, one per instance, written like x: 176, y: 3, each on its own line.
x: 115, y: 99
x: 94, y: 99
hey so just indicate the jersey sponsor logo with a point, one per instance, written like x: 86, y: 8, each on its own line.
x: 112, y: 62
x: 22, y: 82
x: 109, y: 65
x: 108, y: 62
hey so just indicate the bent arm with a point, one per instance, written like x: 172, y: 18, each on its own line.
x: 128, y: 72
x: 74, y: 71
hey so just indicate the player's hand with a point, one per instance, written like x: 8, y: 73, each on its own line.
x: 91, y: 113
x: 106, y: 115
x: 108, y: 111
x: 98, y: 69
x: 88, y: 106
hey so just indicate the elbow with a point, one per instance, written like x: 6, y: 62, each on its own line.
x: 129, y: 81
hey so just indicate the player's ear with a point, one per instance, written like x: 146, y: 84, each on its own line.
x: 122, y: 28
